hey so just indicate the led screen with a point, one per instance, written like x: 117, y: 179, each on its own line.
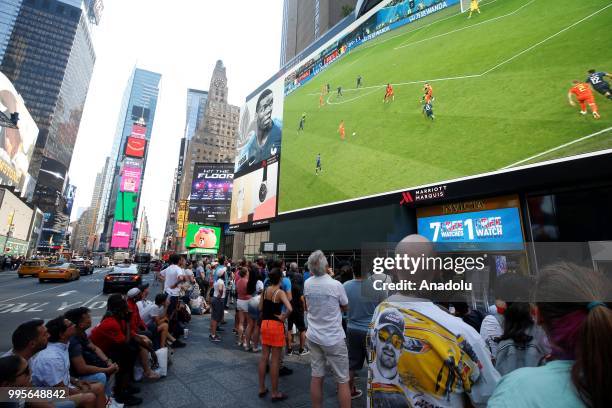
x: 130, y: 179
x: 121, y: 235
x: 414, y: 96
x: 211, y: 192
x: 135, y: 147
x: 254, y: 195
x: 203, y: 237
x: 125, y: 209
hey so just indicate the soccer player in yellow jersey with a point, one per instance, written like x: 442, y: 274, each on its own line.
x: 474, y: 7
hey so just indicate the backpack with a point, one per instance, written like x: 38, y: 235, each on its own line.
x: 512, y: 355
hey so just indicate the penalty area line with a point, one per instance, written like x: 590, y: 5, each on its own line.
x: 535, y: 156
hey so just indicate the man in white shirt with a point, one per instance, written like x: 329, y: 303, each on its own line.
x: 325, y: 301
x: 421, y: 355
x: 173, y: 276
x: 217, y: 304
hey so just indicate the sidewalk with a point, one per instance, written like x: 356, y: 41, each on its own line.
x: 206, y: 374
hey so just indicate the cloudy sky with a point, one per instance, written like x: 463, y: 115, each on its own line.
x: 181, y: 40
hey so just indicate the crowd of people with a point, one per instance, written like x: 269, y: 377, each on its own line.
x: 532, y: 350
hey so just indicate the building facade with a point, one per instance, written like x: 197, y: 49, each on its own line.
x: 127, y: 162
x: 47, y: 52
x: 304, y: 21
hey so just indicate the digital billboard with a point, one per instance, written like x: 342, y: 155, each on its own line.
x: 125, y: 208
x: 16, y: 145
x: 122, y: 232
x: 412, y: 96
x: 138, y: 131
x: 130, y: 179
x: 254, y: 195
x: 135, y: 147
x: 203, y: 238
x: 211, y: 192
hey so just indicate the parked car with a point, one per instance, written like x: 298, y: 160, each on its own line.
x: 31, y: 268
x: 85, y: 266
x: 65, y: 271
x: 122, y: 278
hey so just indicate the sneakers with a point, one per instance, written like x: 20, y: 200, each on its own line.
x: 303, y: 352
x: 178, y: 344
x: 128, y: 400
x: 289, y: 351
x: 283, y: 371
x: 356, y: 393
x: 214, y: 339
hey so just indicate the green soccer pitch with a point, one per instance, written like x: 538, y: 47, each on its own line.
x: 500, y: 82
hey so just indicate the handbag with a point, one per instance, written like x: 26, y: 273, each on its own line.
x: 162, y: 359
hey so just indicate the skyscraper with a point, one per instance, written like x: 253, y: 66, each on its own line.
x: 123, y: 181
x: 304, y: 21
x: 196, y: 105
x: 46, y: 50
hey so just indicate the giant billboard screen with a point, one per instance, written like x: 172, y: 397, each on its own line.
x: 211, y: 192
x: 122, y: 232
x: 409, y: 97
x: 16, y: 145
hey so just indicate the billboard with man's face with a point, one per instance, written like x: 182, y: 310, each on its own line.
x: 16, y: 145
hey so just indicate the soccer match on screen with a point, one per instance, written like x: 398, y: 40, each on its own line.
x: 401, y: 100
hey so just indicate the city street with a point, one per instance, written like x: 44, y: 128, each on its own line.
x: 23, y: 299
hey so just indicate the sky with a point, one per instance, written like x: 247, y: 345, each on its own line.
x: 181, y: 40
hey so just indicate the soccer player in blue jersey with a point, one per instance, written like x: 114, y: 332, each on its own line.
x: 318, y: 168
x: 597, y: 81
x: 428, y: 110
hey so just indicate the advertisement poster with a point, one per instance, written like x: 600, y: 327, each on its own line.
x: 138, y: 131
x: 121, y: 234
x: 16, y: 145
x: 130, y: 179
x: 498, y: 229
x: 135, y: 147
x: 125, y: 209
x: 260, y: 128
x: 211, y: 192
x: 203, y: 238
x: 254, y: 195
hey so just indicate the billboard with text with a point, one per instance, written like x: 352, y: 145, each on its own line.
x: 135, y: 147
x: 122, y: 232
x: 211, y: 192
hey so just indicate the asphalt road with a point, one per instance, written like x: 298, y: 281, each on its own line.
x: 24, y: 299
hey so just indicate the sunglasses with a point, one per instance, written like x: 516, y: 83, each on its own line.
x: 395, y: 339
x: 25, y: 372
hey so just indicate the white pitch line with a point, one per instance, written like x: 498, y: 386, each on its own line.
x: 349, y: 100
x: 466, y: 28
x: 546, y: 39
x: 557, y: 148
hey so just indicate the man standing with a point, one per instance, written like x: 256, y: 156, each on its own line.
x: 302, y: 122
x: 173, y: 276
x: 325, y: 301
x: 318, y: 167
x: 363, y: 300
x: 218, y: 305
x: 359, y: 84
x: 421, y: 355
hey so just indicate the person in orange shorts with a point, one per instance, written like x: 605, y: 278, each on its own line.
x: 341, y: 130
x: 272, y: 332
x: 584, y: 95
x: 389, y: 94
x: 428, y: 96
x: 321, y: 102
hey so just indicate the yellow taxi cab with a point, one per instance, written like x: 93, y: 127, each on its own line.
x: 59, y: 271
x: 31, y: 267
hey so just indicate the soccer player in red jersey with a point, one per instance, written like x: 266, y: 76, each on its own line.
x: 428, y: 96
x: 341, y: 129
x: 389, y: 95
x: 584, y: 95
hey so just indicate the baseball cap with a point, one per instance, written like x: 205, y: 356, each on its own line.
x: 391, y: 317
x: 133, y: 292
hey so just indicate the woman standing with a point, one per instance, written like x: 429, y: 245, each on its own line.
x: 578, y: 323
x: 272, y: 332
x: 242, y: 306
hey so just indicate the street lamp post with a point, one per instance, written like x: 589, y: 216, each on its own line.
x: 9, y: 231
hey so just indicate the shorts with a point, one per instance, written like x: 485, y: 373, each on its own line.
x: 336, y: 356
x: 100, y: 378
x: 602, y: 89
x: 242, y: 305
x: 356, y: 340
x: 296, y: 318
x: 272, y: 333
x: 218, y: 309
